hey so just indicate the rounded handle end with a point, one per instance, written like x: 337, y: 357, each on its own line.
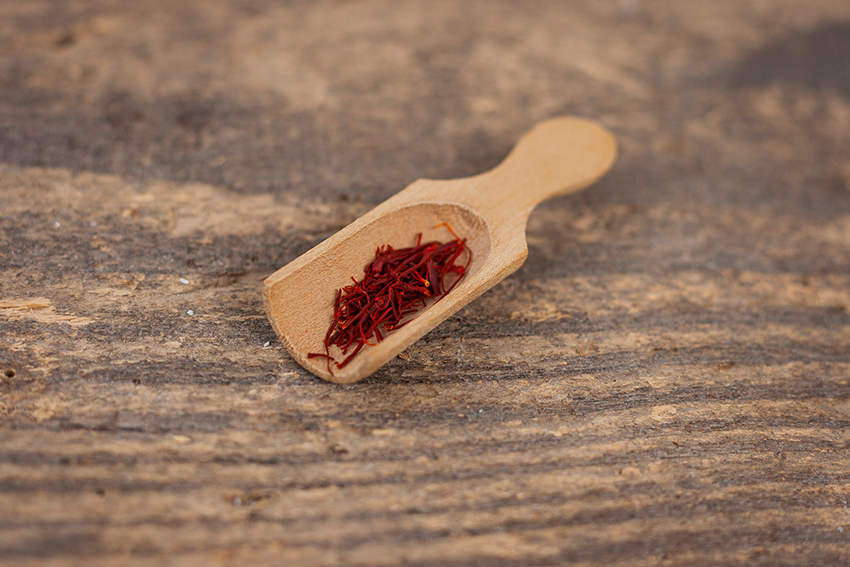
x: 555, y: 157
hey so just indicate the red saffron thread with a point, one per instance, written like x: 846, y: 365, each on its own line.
x: 395, y: 285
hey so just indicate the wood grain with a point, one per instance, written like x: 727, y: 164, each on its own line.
x: 665, y: 381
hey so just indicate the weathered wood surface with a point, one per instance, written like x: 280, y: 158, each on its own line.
x: 666, y: 381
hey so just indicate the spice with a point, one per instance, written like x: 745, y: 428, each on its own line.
x: 395, y: 285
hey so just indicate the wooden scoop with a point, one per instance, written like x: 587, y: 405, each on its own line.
x: 489, y: 210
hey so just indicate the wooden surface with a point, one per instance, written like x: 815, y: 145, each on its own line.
x: 665, y: 381
x: 488, y: 211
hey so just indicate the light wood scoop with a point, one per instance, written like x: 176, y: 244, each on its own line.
x: 489, y: 210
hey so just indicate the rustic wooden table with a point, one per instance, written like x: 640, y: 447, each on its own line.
x: 666, y: 381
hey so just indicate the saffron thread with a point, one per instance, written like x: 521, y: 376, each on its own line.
x: 395, y: 286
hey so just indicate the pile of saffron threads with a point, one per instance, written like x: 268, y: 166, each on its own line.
x: 395, y: 285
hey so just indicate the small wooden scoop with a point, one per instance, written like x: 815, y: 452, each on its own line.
x: 489, y: 210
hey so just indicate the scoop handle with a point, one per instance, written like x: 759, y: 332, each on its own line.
x: 556, y: 157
